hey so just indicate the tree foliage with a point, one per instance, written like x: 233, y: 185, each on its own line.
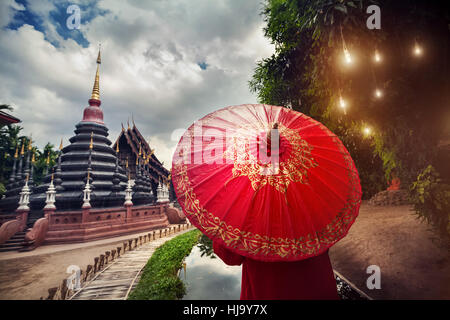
x: 10, y: 140
x: 432, y: 201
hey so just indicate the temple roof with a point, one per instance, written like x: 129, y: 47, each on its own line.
x: 7, y: 118
x: 136, y: 141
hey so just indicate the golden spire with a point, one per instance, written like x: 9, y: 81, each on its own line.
x: 91, y: 144
x: 48, y: 158
x: 17, y: 152
x: 128, y: 122
x: 61, y: 145
x: 117, y: 147
x: 96, y: 89
x: 21, y: 150
x: 29, y: 145
x: 140, y: 149
x: 33, y: 159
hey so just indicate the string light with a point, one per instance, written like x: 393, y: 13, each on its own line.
x: 417, y: 49
x: 377, y: 57
x: 378, y: 93
x: 367, y: 131
x: 342, y: 104
x: 347, y: 56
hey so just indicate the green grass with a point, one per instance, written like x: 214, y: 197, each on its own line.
x: 159, y: 279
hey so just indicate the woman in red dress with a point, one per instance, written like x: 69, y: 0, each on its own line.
x: 309, y: 279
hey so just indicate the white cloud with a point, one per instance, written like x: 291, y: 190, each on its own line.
x: 150, y: 56
x: 7, y: 10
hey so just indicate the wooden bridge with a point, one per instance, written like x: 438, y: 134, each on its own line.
x: 118, y: 279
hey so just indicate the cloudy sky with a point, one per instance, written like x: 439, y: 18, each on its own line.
x: 166, y: 62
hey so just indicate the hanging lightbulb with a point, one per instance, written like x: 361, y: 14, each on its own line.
x: 377, y: 56
x: 417, y: 49
x: 378, y: 93
x: 367, y: 131
x: 342, y: 103
x: 347, y: 56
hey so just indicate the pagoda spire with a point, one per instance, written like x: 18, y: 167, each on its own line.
x: 96, y: 89
x: 93, y: 113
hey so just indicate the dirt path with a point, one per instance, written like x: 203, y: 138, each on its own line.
x: 391, y: 237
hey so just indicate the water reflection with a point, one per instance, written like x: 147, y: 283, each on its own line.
x: 210, y: 279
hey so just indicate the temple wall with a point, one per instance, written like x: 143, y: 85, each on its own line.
x: 93, y: 224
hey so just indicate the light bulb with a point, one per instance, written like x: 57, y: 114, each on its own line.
x: 377, y: 56
x: 378, y: 93
x: 417, y: 50
x: 347, y: 56
x: 342, y: 103
x: 367, y: 131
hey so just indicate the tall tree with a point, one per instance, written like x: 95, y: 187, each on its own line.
x: 10, y: 140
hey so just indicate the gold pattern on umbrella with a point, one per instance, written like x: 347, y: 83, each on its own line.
x: 293, y: 169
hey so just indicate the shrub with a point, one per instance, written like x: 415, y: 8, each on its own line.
x: 431, y: 198
x: 159, y: 279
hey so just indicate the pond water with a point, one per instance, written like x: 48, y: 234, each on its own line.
x: 211, y: 279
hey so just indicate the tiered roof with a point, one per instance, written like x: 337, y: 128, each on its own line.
x: 132, y: 146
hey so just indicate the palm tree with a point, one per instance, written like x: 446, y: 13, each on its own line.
x: 10, y: 138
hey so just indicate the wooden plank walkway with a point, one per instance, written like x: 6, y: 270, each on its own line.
x: 116, y: 281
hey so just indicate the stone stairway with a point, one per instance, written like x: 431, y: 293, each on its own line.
x: 15, y: 243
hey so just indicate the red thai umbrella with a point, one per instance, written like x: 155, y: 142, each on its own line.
x: 267, y: 182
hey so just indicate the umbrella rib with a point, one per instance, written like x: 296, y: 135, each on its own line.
x: 310, y: 222
x: 315, y: 229
x: 328, y: 149
x: 257, y: 116
x: 335, y: 176
x: 332, y: 161
x: 242, y: 118
x: 327, y: 186
x: 307, y: 126
x: 216, y: 171
x: 292, y: 119
x: 316, y: 135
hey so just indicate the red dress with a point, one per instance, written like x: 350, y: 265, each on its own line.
x: 309, y: 279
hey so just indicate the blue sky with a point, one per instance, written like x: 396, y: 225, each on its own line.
x: 167, y: 63
x: 57, y: 16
